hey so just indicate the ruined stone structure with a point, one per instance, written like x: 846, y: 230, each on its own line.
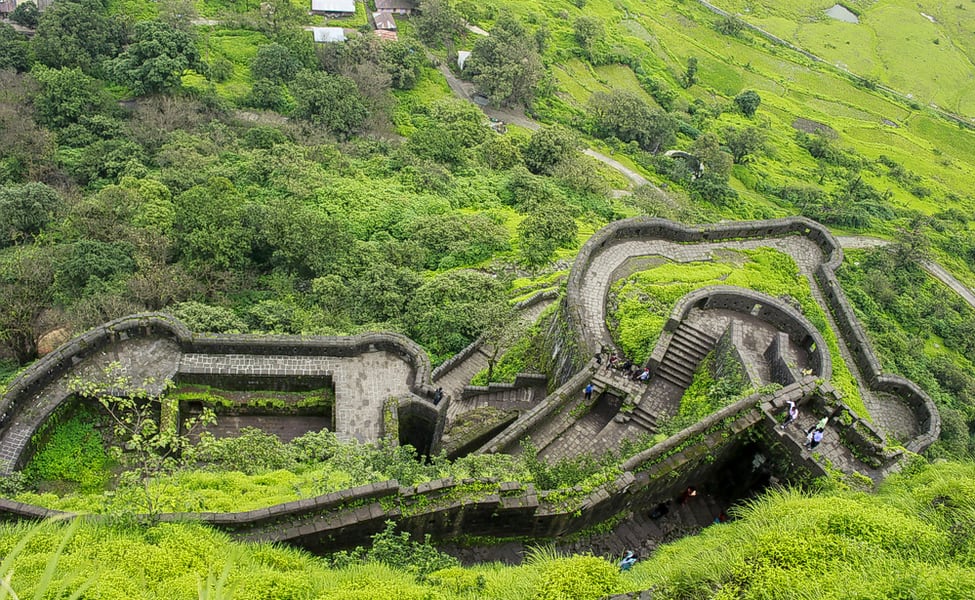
x: 383, y: 387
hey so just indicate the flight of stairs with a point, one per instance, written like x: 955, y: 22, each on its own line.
x: 644, y: 418
x: 687, y: 348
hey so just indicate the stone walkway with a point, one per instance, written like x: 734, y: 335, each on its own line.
x: 887, y: 411
x: 362, y: 383
x: 148, y: 363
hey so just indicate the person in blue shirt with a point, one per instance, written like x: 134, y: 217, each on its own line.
x: 629, y: 559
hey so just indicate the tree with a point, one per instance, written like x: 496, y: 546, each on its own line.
x: 913, y: 245
x: 437, y: 22
x: 77, y: 33
x: 506, y: 66
x: 90, y: 265
x: 26, y: 275
x: 203, y: 318
x: 332, y: 101
x: 156, y: 59
x: 743, y: 142
x: 689, y: 77
x: 26, y: 14
x: 449, y: 311
x: 446, y: 129
x: 505, y: 327
x: 544, y: 230
x: 178, y: 13
x: 549, y: 147
x: 626, y: 116
x: 154, y: 442
x: 275, y: 63
x: 25, y: 210
x: 14, y: 52
x: 588, y: 30
x: 748, y: 102
x: 729, y: 25
x: 454, y: 240
x: 209, y: 229
x: 404, y: 61
x: 713, y: 159
x: 66, y: 96
x: 279, y: 15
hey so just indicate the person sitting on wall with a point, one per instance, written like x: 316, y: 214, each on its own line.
x: 437, y: 396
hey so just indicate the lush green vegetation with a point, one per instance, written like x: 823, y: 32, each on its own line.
x: 258, y: 183
x: 912, y: 539
x: 250, y: 471
x: 922, y: 331
x: 641, y: 303
x: 918, y: 48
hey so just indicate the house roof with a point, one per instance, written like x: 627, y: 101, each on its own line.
x: 385, y: 34
x: 328, y: 34
x: 333, y: 6
x: 384, y: 20
x: 395, y: 5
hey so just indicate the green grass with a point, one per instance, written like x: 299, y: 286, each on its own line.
x: 909, y: 540
x: 893, y: 43
x: 643, y: 302
x: 74, y: 453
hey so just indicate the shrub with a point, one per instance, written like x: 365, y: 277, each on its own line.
x: 578, y: 577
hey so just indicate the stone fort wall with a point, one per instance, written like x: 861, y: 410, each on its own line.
x: 445, y: 508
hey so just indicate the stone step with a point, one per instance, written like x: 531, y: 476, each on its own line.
x: 688, y: 348
x: 678, y: 366
x: 644, y: 419
x: 688, y: 330
x: 690, y: 354
x: 681, y: 363
x: 673, y: 377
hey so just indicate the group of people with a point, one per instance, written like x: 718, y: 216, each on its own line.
x: 814, y: 435
x: 626, y: 367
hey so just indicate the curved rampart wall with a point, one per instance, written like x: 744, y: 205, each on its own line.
x: 651, y: 228
x: 32, y: 382
x: 771, y: 310
x: 446, y: 508
x: 62, y: 360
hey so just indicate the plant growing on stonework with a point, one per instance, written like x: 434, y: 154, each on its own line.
x: 152, y: 442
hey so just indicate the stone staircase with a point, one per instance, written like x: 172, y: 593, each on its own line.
x: 644, y: 418
x: 686, y: 350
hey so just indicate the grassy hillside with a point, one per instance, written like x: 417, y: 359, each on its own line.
x: 925, y: 49
x: 913, y: 539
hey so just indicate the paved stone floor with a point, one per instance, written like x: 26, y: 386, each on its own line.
x: 148, y: 363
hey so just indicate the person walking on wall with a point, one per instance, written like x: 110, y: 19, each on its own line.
x: 792, y: 414
x: 588, y: 391
x: 813, y: 438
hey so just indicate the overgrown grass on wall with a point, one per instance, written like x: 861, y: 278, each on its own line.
x: 641, y: 303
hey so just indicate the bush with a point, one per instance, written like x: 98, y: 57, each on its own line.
x: 581, y: 577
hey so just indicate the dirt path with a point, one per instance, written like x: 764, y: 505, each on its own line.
x: 465, y: 90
